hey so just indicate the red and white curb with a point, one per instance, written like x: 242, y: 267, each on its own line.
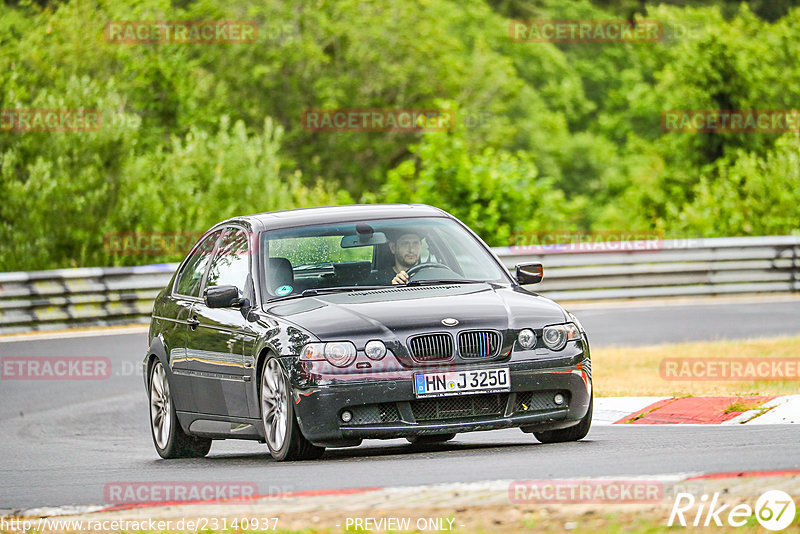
x: 611, y: 410
x: 696, y: 410
x: 780, y: 410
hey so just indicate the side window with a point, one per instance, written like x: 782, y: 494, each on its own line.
x: 191, y: 277
x: 231, y: 264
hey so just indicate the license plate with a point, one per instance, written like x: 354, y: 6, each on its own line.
x: 462, y: 382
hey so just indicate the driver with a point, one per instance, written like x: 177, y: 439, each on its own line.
x: 405, y: 248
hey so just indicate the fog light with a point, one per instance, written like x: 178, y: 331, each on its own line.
x: 375, y: 350
x: 346, y: 416
x: 558, y: 398
x: 526, y: 338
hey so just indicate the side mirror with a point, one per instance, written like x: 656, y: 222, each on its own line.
x: 529, y: 273
x: 222, y: 297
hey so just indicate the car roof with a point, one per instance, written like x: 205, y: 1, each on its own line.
x: 334, y: 214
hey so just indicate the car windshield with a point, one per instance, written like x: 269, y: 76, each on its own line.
x: 371, y: 253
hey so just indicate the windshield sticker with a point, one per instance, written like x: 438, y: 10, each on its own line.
x: 283, y: 290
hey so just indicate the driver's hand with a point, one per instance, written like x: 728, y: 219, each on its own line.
x: 400, y: 278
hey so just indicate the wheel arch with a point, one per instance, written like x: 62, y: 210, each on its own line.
x: 264, y: 354
x: 156, y: 352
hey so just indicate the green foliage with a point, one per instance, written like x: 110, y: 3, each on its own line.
x: 66, y: 193
x: 549, y: 136
x: 750, y: 195
x: 497, y: 193
x: 770, y: 10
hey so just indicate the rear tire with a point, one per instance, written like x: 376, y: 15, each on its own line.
x: 573, y: 433
x: 430, y: 439
x: 284, y: 438
x: 168, y: 436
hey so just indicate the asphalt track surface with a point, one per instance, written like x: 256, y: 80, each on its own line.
x: 62, y: 442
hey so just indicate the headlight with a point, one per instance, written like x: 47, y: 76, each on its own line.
x: 375, y: 350
x: 556, y: 336
x: 526, y: 338
x: 338, y: 353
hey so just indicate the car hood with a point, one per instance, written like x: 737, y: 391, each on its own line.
x: 397, y: 312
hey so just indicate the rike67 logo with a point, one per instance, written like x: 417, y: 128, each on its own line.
x: 774, y: 510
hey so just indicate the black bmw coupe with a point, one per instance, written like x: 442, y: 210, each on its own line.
x: 320, y: 327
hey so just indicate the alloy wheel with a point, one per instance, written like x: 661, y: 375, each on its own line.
x: 160, y: 406
x: 274, y: 405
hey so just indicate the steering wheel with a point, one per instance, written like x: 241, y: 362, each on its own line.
x: 417, y: 268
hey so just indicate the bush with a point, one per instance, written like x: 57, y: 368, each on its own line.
x: 496, y: 193
x: 63, y: 192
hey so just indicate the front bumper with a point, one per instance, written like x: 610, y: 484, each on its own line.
x: 388, y: 408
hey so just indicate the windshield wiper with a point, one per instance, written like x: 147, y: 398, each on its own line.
x: 324, y: 290
x: 443, y: 281
x: 343, y: 289
x: 337, y: 289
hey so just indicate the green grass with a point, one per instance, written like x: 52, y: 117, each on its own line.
x: 635, y: 371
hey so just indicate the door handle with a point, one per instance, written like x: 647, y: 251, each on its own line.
x: 193, y: 322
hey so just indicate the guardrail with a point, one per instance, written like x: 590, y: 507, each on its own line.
x: 65, y: 298
x: 659, y: 268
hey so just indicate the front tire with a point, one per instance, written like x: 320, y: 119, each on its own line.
x: 168, y: 436
x: 282, y: 432
x: 573, y: 433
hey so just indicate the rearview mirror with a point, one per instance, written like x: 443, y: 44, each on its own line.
x: 222, y: 297
x: 363, y: 240
x: 529, y: 273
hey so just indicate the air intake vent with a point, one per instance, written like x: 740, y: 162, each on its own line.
x: 397, y: 290
x: 538, y: 401
x: 431, y: 347
x: 479, y: 344
x: 492, y: 404
x: 371, y: 414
